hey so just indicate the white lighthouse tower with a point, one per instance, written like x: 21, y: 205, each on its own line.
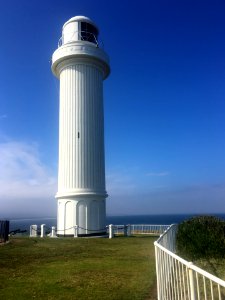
x: 81, y: 67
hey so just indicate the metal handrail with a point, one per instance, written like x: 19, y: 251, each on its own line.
x: 180, y: 279
x: 91, y: 35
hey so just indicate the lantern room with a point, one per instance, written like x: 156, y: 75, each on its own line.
x: 79, y: 28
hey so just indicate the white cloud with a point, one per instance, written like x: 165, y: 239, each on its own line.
x: 170, y: 200
x: 120, y: 182
x: 131, y: 193
x: 27, y: 186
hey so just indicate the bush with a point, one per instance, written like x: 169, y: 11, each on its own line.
x: 201, y: 237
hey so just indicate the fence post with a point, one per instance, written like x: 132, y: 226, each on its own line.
x: 128, y: 230
x: 42, y: 230
x: 191, y: 282
x: 125, y: 230
x: 4, y: 231
x: 33, y: 230
x: 53, y: 235
x: 157, y: 272
x: 111, y: 231
x: 75, y: 231
x: 161, y: 229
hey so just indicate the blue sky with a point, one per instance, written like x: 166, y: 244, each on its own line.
x: 164, y: 105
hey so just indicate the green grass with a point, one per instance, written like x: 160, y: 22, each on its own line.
x: 84, y: 268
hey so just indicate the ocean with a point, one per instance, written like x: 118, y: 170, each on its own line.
x: 24, y: 224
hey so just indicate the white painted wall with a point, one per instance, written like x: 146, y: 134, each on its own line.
x: 81, y: 130
x: 70, y: 32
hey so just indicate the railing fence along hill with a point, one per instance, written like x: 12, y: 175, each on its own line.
x: 178, y: 279
x: 140, y: 229
x: 112, y: 230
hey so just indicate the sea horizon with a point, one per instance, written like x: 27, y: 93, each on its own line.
x: 15, y: 218
x: 154, y: 219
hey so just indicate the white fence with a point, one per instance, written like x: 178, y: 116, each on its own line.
x: 178, y: 279
x: 141, y: 229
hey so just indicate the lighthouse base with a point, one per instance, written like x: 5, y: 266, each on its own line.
x: 81, y: 217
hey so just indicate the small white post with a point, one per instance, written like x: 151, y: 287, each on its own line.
x: 43, y: 232
x: 33, y: 230
x: 53, y: 232
x: 75, y: 231
x: 111, y: 231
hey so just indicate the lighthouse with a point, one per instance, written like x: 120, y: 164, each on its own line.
x: 81, y: 66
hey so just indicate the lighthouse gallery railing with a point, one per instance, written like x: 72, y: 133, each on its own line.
x: 180, y: 279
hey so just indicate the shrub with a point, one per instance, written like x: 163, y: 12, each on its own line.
x: 201, y: 237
